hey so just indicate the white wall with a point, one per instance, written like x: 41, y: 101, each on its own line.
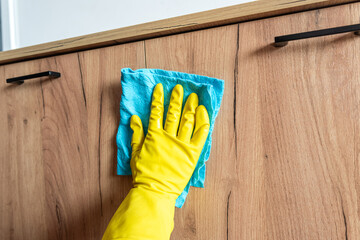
x: 30, y: 22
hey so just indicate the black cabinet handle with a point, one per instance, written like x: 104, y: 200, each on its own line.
x: 282, y: 41
x: 20, y: 80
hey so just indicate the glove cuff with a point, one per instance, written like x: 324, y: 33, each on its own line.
x: 143, y: 214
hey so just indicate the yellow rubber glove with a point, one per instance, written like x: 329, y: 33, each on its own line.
x: 162, y: 164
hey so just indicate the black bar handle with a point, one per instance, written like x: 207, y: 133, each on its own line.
x: 282, y: 41
x: 20, y: 80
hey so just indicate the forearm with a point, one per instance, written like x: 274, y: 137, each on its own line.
x: 143, y: 214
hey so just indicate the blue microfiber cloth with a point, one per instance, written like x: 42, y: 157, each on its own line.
x: 137, y: 88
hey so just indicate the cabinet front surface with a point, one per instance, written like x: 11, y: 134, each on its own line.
x: 286, y: 144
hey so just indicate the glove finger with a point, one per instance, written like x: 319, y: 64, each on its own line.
x: 202, y: 126
x: 138, y: 135
x: 157, y: 108
x: 188, y: 118
x: 174, y: 111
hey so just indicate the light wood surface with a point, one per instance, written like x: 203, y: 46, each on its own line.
x: 285, y: 156
x: 217, y: 17
x: 58, y: 150
x: 298, y: 129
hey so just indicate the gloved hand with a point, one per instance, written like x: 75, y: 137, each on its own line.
x: 162, y: 164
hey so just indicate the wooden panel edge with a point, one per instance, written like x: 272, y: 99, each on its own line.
x: 196, y: 21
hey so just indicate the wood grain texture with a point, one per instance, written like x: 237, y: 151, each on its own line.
x: 298, y: 118
x: 21, y: 167
x: 58, y: 152
x: 285, y: 154
x: 217, y: 17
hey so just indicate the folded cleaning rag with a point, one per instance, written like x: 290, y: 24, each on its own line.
x: 137, y: 88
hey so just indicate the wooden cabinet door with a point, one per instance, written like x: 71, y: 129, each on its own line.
x: 57, y: 145
x: 298, y: 129
x: 286, y: 146
x: 213, y: 53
